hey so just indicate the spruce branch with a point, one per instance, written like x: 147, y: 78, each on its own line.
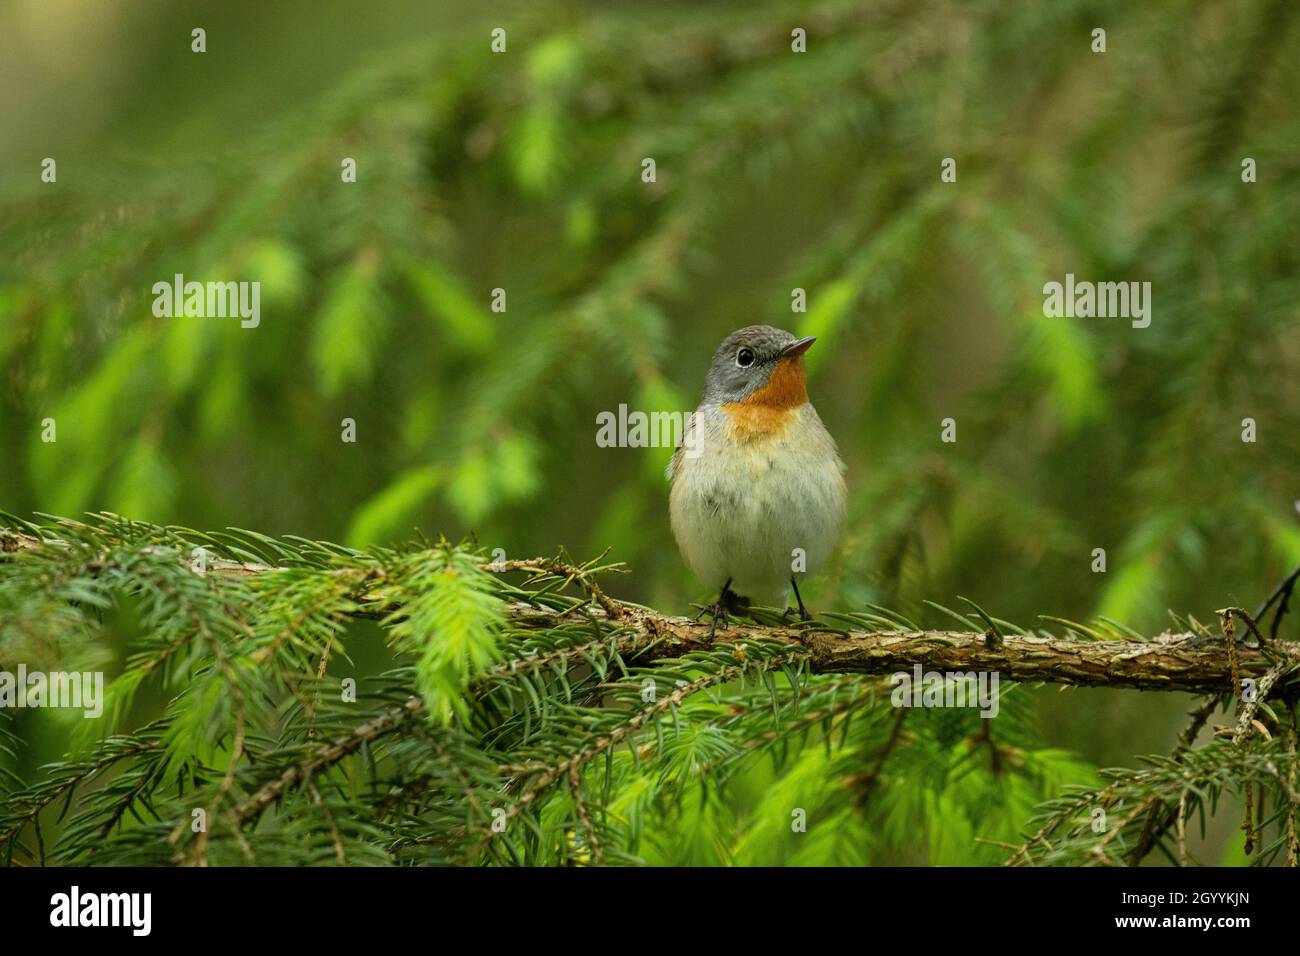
x: 515, y: 679
x: 1187, y: 661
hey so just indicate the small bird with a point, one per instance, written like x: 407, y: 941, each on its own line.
x: 758, y: 491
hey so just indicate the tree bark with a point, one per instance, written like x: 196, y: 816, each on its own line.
x: 1187, y: 662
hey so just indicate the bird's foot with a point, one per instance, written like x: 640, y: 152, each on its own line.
x: 721, y: 610
x: 800, y: 610
x: 718, y: 612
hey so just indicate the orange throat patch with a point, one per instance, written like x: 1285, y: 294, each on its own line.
x: 769, y: 410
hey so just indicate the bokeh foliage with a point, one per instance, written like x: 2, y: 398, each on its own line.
x: 775, y: 170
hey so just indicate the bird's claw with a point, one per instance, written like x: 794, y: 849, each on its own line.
x: 718, y: 612
x: 728, y: 603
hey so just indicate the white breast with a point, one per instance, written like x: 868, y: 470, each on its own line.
x: 749, y: 510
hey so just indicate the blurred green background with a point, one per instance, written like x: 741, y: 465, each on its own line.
x: 775, y: 170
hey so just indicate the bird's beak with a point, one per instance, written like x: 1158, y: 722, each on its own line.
x: 798, y: 347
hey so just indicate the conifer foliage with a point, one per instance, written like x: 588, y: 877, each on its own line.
x: 516, y: 720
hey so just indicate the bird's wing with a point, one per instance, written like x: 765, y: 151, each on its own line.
x: 674, y: 463
x: 671, y: 471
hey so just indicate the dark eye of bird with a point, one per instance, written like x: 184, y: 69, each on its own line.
x: 745, y: 358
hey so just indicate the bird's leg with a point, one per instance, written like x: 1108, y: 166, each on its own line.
x: 714, y: 607
x: 727, y: 604
x: 802, y: 611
